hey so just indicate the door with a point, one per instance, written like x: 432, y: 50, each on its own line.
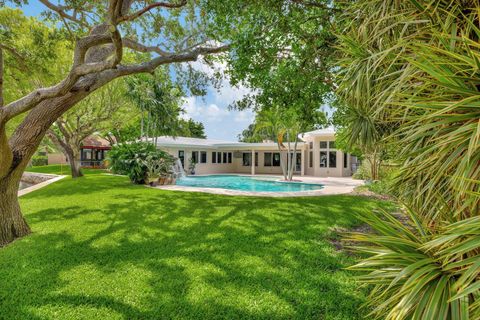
x: 298, y: 162
x: 181, y: 156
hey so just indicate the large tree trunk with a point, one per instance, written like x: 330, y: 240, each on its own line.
x: 12, y: 223
x: 22, y: 145
x: 72, y: 157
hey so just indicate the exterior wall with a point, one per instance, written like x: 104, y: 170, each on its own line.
x: 338, y: 171
x: 237, y: 162
x: 204, y: 168
x: 56, y: 158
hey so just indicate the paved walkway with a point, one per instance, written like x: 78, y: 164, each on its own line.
x: 332, y: 186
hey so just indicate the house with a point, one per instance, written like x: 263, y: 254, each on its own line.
x: 93, y: 152
x: 316, y: 155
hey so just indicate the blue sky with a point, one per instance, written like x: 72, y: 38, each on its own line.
x: 211, y: 110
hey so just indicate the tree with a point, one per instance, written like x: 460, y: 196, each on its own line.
x: 192, y: 128
x: 252, y: 134
x: 284, y: 126
x: 287, y: 66
x: 410, y: 69
x: 158, y: 101
x: 103, y: 109
x: 100, y: 32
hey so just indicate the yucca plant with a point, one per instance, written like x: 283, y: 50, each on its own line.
x: 414, y: 68
x: 420, y: 273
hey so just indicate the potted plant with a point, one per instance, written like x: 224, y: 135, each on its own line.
x: 192, y: 166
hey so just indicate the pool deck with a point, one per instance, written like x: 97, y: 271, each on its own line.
x: 332, y: 186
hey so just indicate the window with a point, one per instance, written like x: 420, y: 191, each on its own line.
x: 214, y: 157
x: 219, y: 157
x: 195, y: 156
x: 267, y: 159
x: 345, y: 160
x: 310, y: 159
x: 86, y: 154
x: 247, y: 159
x: 310, y: 145
x: 276, y: 159
x: 331, y: 144
x: 203, y: 156
x: 323, y: 159
x: 224, y: 157
x: 323, y: 144
x: 332, y: 159
x: 181, y: 156
x: 256, y: 159
x: 229, y: 157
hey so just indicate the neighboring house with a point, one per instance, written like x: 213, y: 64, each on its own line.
x: 92, y: 153
x: 316, y: 155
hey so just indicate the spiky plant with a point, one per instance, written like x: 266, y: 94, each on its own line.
x: 413, y: 67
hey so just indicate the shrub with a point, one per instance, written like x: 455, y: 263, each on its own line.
x: 39, y: 160
x: 135, y: 159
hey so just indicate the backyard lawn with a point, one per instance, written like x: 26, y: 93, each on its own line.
x: 102, y: 248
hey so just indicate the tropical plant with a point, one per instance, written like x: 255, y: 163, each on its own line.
x: 157, y: 168
x: 409, y: 71
x: 192, y: 165
x: 136, y: 159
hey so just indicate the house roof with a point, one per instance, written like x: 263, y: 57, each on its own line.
x: 167, y: 141
x: 95, y: 142
x: 330, y: 131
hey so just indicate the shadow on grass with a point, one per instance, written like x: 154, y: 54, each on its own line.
x: 102, y: 249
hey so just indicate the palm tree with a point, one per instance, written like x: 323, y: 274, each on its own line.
x: 412, y: 67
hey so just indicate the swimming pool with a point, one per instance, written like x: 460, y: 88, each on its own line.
x: 246, y: 183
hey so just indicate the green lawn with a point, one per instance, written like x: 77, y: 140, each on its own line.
x: 102, y: 248
x: 60, y: 169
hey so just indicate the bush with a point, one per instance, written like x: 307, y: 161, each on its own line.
x: 134, y: 160
x: 39, y: 160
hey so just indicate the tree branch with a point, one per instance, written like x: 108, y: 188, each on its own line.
x: 137, y: 46
x: 150, y: 66
x: 60, y: 10
x: 78, y: 69
x: 138, y: 13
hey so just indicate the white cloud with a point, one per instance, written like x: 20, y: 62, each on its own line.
x: 212, y: 110
x: 245, y: 116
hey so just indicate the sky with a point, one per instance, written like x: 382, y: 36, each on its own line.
x: 212, y: 109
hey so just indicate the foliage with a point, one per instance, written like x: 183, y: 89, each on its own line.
x: 158, y: 100
x: 192, y: 128
x: 417, y: 273
x: 133, y: 159
x: 158, y: 167
x: 104, y: 109
x: 409, y: 69
x: 103, y: 248
x: 252, y: 134
x: 39, y: 160
x: 191, y: 165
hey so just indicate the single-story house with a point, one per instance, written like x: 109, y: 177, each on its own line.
x: 317, y: 155
x: 93, y: 152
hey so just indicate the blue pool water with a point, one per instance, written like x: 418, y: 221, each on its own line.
x: 245, y: 183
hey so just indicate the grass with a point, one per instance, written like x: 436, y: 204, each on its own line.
x: 102, y: 248
x: 61, y: 169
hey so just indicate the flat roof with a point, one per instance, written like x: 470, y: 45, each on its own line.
x: 330, y: 131
x: 168, y: 141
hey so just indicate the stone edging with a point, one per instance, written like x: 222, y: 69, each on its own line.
x: 40, y: 179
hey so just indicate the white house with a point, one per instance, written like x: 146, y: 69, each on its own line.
x: 317, y: 155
